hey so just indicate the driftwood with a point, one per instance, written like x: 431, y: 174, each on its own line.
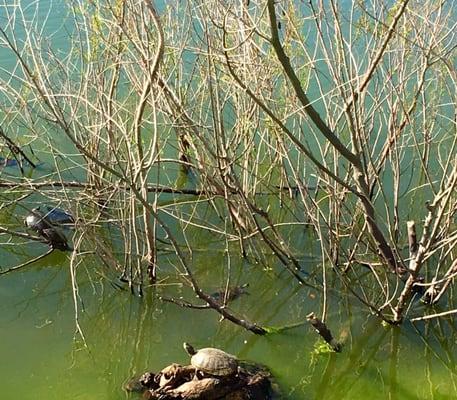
x: 53, y: 185
x: 222, y: 297
x: 324, y: 332
x: 186, y: 383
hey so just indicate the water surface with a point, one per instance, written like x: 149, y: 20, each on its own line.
x: 45, y: 357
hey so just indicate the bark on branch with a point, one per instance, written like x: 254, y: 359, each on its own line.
x: 309, y: 109
x: 323, y: 331
x: 363, y: 191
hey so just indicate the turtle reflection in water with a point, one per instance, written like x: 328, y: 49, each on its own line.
x: 212, y: 361
x: 46, y: 221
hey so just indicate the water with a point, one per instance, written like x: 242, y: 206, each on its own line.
x: 44, y: 357
x: 126, y: 335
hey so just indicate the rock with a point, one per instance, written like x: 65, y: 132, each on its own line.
x: 174, y: 375
x: 183, y: 383
x: 145, y: 382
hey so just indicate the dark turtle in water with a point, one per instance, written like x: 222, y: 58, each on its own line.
x: 45, y: 221
x: 212, y: 361
x: 53, y: 215
x: 229, y: 294
x: 45, y: 216
x: 36, y: 221
x: 55, y: 239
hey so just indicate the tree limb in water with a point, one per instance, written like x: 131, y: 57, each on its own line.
x: 17, y: 267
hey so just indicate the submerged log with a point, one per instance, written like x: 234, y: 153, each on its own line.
x: 324, y: 332
x: 141, y: 384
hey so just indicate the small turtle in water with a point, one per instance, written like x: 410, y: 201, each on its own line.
x: 44, y: 224
x: 230, y: 294
x: 36, y: 221
x: 45, y: 216
x: 55, y: 239
x: 212, y: 361
x: 52, y: 215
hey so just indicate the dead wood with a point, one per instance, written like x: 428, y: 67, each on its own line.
x: 185, y: 383
x: 323, y: 331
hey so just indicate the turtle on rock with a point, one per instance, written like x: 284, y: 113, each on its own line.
x: 211, y: 361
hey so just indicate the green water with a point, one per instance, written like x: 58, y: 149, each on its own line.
x: 44, y: 357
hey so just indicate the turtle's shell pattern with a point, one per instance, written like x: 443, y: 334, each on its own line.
x: 214, y: 362
x: 45, y: 217
x: 55, y: 215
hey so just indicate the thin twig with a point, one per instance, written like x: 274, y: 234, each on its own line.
x: 17, y: 267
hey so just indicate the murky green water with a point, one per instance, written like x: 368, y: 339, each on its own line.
x: 44, y: 357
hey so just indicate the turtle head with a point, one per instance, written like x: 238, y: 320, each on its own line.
x: 189, y: 348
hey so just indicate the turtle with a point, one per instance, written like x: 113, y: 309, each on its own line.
x: 36, y: 221
x: 51, y: 215
x: 55, y: 238
x: 230, y: 294
x: 42, y: 223
x: 58, y: 216
x: 212, y: 361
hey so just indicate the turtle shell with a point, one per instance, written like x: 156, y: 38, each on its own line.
x: 56, y: 216
x: 214, y: 362
x: 45, y: 217
x: 43, y: 225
